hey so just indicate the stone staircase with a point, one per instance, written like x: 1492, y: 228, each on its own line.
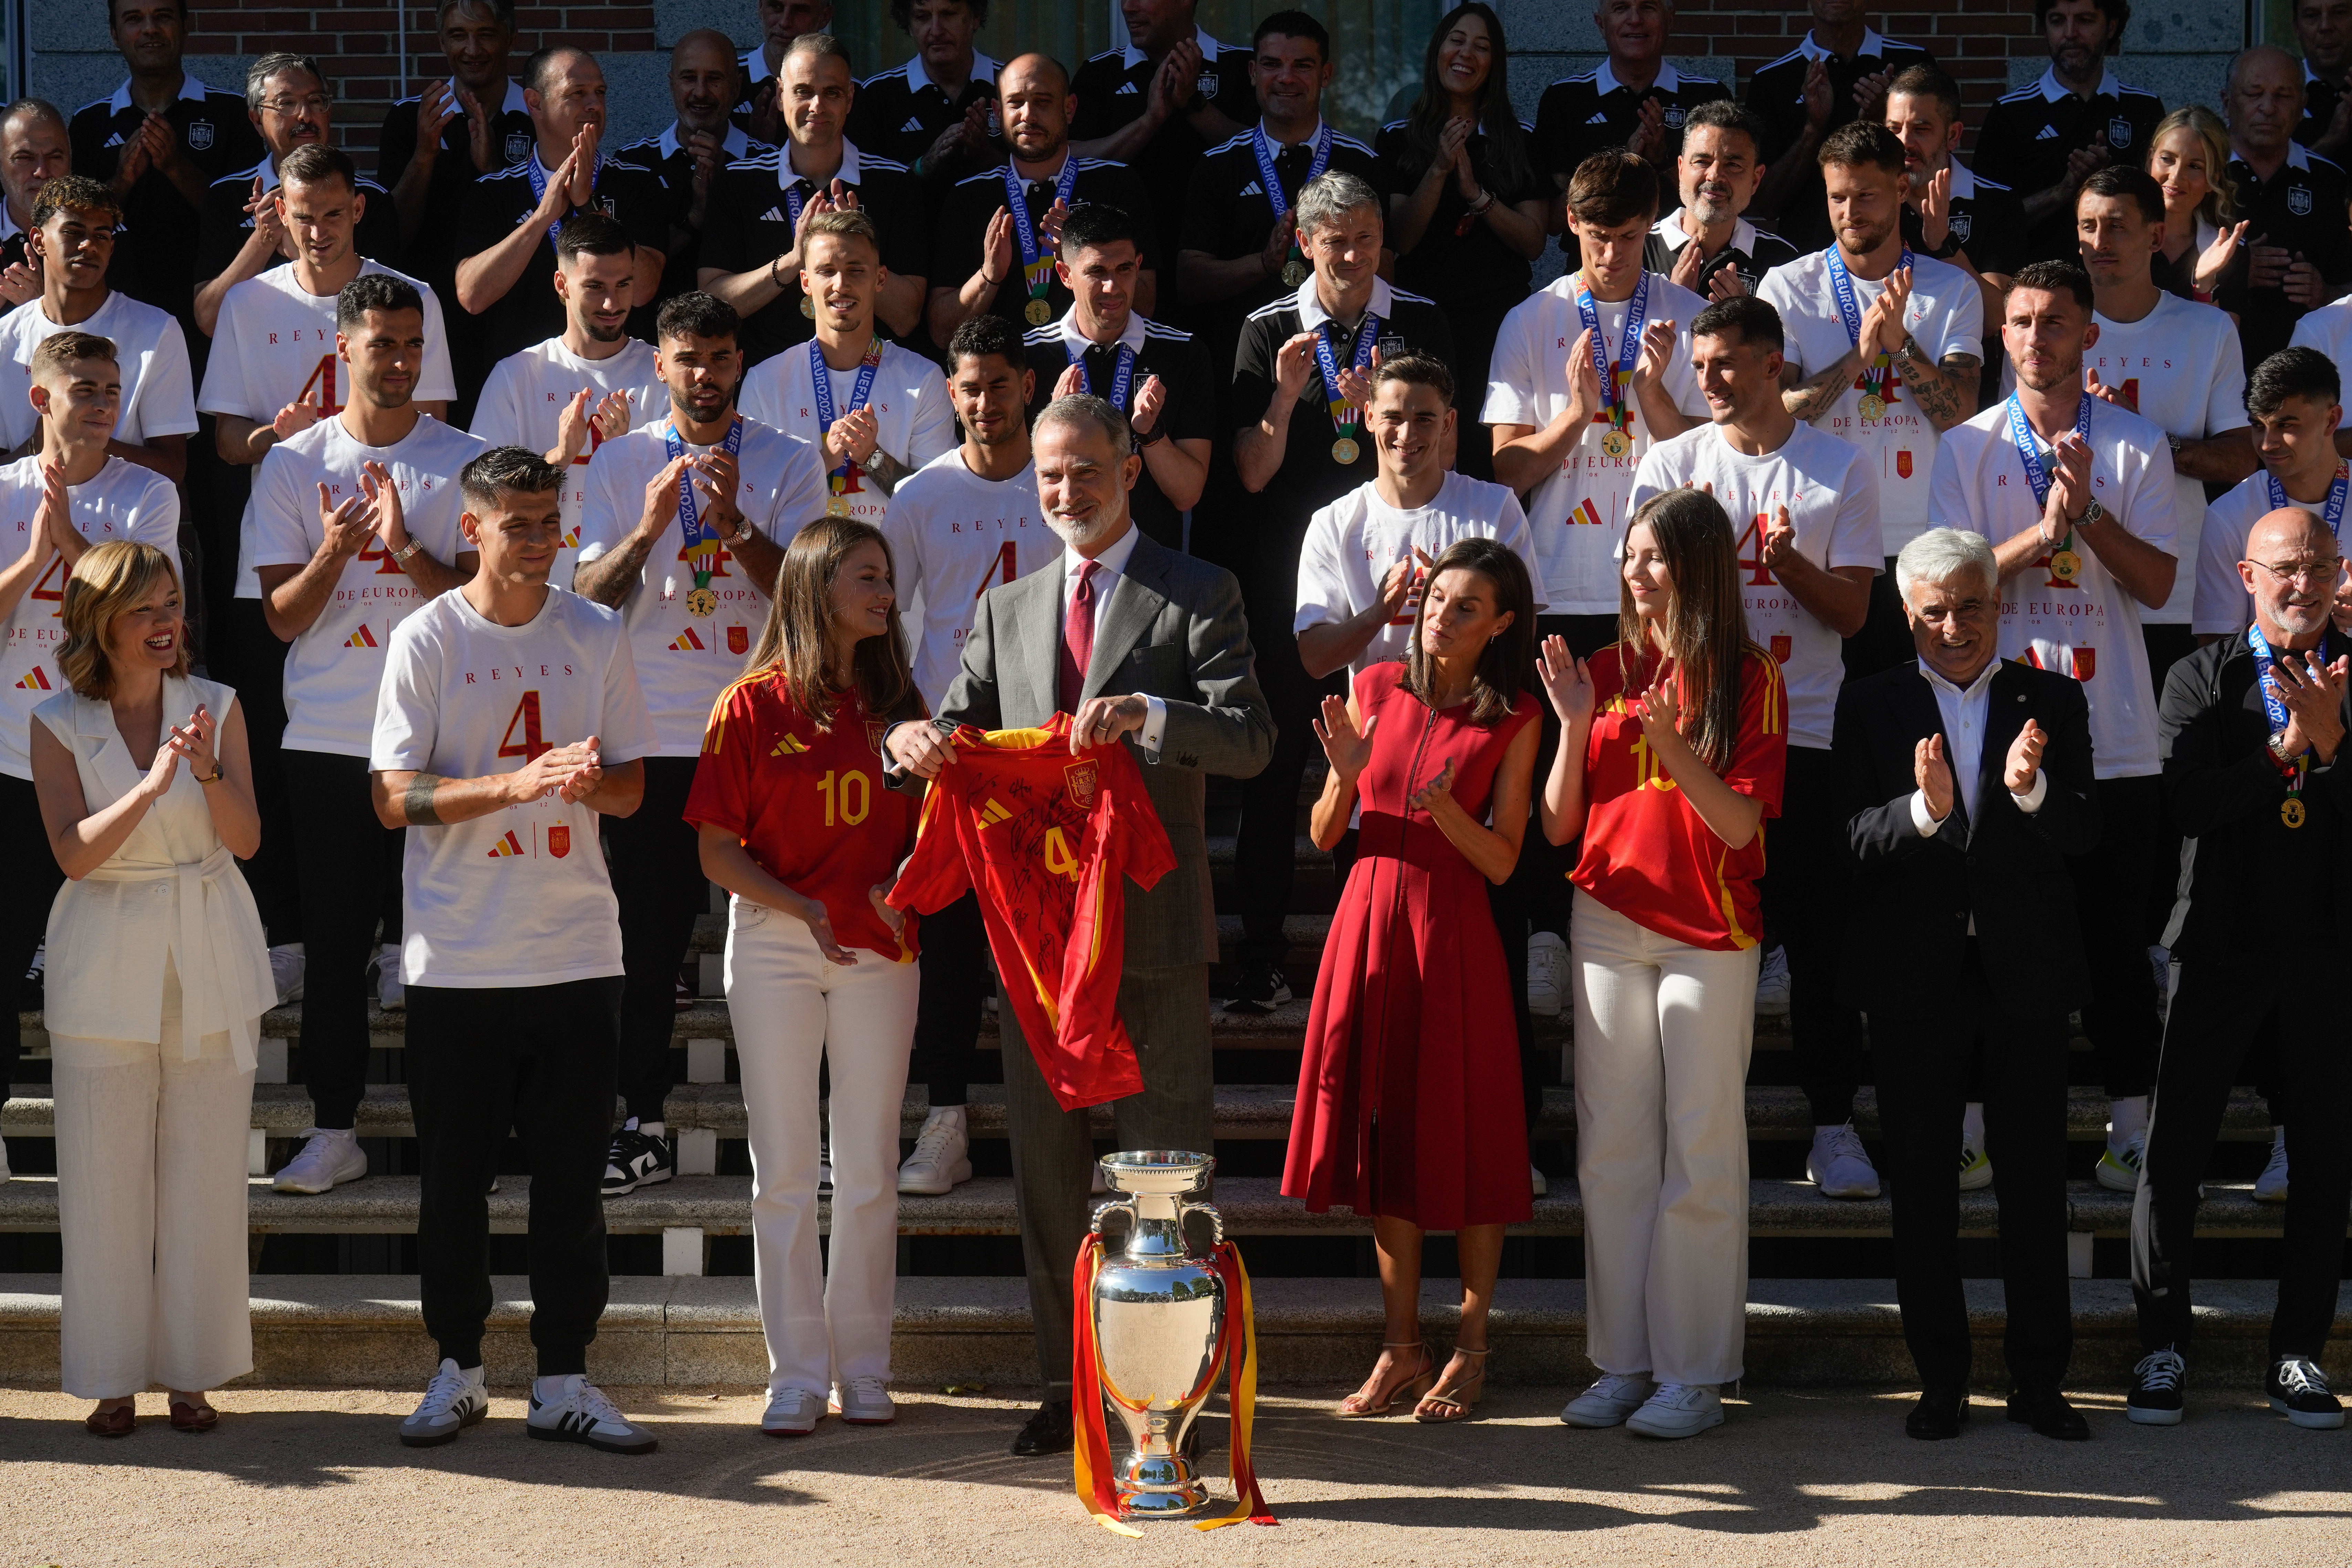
x: 683, y: 1309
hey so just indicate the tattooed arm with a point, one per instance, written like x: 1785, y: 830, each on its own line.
x: 1947, y: 390
x: 1809, y: 396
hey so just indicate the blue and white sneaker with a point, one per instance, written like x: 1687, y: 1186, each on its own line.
x: 582, y: 1414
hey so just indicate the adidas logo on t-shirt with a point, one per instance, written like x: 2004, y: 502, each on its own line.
x: 914, y: 124
x: 774, y: 215
x: 1126, y: 90
x: 2049, y: 133
x: 113, y: 141
x: 1598, y: 120
x: 1253, y: 189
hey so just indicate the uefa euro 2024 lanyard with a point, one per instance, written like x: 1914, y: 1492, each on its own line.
x: 701, y: 539
x: 836, y: 502
x: 2064, y: 565
x: 1615, y: 381
x: 1344, y: 415
x: 1294, y: 269
x: 538, y: 177
x: 1874, y: 374
x: 1037, y: 261
x: 2292, y: 810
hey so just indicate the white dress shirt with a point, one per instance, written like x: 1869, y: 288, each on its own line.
x: 1109, y: 567
x: 1964, y: 712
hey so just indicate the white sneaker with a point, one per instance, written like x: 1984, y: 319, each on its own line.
x: 942, y: 1155
x: 1536, y: 1179
x: 1547, y: 981
x: 1772, y: 985
x: 2270, y: 1187
x: 453, y: 1401
x: 582, y: 1414
x: 1608, y: 1402
x: 1677, y: 1410
x: 793, y: 1412
x: 825, y: 1167
x: 2118, y: 1169
x: 389, y: 994
x: 863, y: 1402
x: 329, y: 1158
x: 1975, y: 1167
x: 1838, y: 1165
x: 286, y: 972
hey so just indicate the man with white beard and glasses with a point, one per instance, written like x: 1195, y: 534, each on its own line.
x: 2295, y: 399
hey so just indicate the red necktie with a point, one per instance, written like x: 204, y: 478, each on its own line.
x: 1077, y: 639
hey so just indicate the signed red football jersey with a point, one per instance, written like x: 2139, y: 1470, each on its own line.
x: 1046, y: 837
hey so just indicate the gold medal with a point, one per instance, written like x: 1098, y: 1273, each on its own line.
x: 808, y: 307
x: 2291, y: 811
x: 837, y: 506
x: 1616, y: 443
x: 1873, y: 406
x: 1293, y: 273
x: 2065, y: 565
x: 1343, y: 450
x: 701, y: 603
x: 1038, y: 313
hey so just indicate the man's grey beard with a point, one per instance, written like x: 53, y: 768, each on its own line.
x: 1104, y: 522
x: 1709, y: 212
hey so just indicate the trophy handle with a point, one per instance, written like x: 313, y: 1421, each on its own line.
x: 1123, y: 1205
x: 1208, y: 1212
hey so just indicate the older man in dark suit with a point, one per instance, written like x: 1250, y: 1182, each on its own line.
x: 1964, y: 783
x: 1145, y: 648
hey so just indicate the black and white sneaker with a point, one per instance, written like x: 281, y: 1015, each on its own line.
x: 453, y: 1401
x: 584, y: 1415
x: 638, y: 1159
x: 2297, y: 1387
x: 2155, y: 1397
x: 1261, y: 989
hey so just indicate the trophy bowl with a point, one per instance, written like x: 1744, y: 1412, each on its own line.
x: 1159, y: 1312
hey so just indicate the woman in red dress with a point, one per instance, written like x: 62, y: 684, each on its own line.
x: 1409, y: 1107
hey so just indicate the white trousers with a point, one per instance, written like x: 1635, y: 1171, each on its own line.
x: 1663, y: 1035
x: 791, y: 1009
x: 151, y: 1202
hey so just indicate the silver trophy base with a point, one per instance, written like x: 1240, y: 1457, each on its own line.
x: 1160, y: 1485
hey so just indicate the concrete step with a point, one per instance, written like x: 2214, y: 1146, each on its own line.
x: 1775, y: 1112
x: 365, y: 1331
x: 1250, y: 1206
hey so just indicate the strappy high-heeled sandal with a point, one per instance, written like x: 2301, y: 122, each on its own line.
x: 1353, y: 1407
x: 1456, y: 1402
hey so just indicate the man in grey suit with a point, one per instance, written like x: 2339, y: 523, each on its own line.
x: 1147, y: 648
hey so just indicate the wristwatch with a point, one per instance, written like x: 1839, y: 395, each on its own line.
x: 2278, y: 749
x: 402, y: 555
x: 743, y: 531
x: 1158, y: 433
x: 1949, y: 248
x: 2092, y: 513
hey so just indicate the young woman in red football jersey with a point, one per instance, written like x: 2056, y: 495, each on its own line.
x: 1409, y: 1106
x: 795, y: 822
x: 1675, y: 741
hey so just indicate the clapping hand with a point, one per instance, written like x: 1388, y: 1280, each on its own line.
x: 1439, y: 788
x: 1934, y: 202
x: 853, y: 438
x: 345, y: 530
x: 192, y: 740
x: 1348, y: 749
x: 1356, y: 385
x: 2314, y: 695
x: 2218, y: 256
x: 1780, y: 540
x: 2024, y: 758
x: 1883, y: 328
x: 1396, y: 586
x: 298, y: 416
x: 2070, y: 485
x: 2103, y: 392
x: 1583, y: 384
x: 1661, y: 709
x: 1566, y: 681
x: 1649, y: 138
x: 1933, y: 774
x: 1657, y: 350
x: 570, y: 772
x: 1150, y: 399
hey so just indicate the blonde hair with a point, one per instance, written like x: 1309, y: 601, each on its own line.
x: 106, y: 580
x: 2219, y: 207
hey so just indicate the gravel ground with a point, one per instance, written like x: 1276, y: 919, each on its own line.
x: 318, y: 1477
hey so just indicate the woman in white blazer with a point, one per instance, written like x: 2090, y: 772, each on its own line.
x: 158, y: 975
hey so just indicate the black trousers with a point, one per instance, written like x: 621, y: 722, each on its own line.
x: 2167, y: 645
x: 1927, y: 1068
x: 34, y: 879
x: 1805, y: 890
x: 1268, y: 844
x: 2111, y: 889
x: 539, y: 1059
x: 349, y: 864
x: 252, y: 661
x: 2225, y: 1001
x: 1885, y: 640
x: 659, y: 880
x: 1539, y: 883
x: 946, y: 1012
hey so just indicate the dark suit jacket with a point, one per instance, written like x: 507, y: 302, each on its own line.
x: 1174, y: 630
x: 1907, y: 925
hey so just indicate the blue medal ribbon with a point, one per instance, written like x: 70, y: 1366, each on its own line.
x: 1342, y: 414
x: 2336, y: 493
x: 1036, y: 264
x: 1120, y: 377
x: 1263, y: 145
x: 821, y: 374
x: 701, y: 539
x: 537, y: 176
x: 2029, y: 451
x: 2274, y: 706
x: 1629, y: 348
x: 1850, y: 311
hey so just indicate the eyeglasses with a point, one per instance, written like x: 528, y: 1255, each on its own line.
x: 318, y: 102
x: 2309, y: 572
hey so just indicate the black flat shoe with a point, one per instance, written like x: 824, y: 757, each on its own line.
x: 1048, y: 1431
x: 2046, y: 1411
x: 1938, y: 1415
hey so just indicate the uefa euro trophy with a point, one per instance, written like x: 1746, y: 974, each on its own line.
x: 1159, y: 1316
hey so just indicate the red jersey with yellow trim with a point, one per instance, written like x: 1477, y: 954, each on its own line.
x: 808, y: 803
x: 1045, y: 837
x: 1646, y: 855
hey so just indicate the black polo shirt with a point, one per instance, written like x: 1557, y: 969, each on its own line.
x: 1582, y: 115
x: 1471, y: 270
x: 2302, y: 208
x: 155, y: 255
x: 529, y: 312
x: 1183, y: 367
x: 430, y: 253
x: 899, y: 113
x: 1988, y: 222
x: 1112, y: 89
x: 2029, y: 135
x: 1261, y: 540
x: 2320, y: 97
x: 12, y: 241
x: 1752, y: 253
x: 749, y: 224
x: 1228, y: 213
x: 666, y: 158
x: 1777, y: 91
x: 961, y: 233
x: 226, y: 225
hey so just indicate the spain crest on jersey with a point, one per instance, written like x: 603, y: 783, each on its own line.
x: 739, y: 640
x: 2298, y: 200
x: 2119, y: 132
x: 1903, y: 462
x: 559, y: 840
x: 518, y: 146
x: 2086, y: 663
x: 1080, y: 780
x: 1963, y: 226
x: 875, y: 729
x: 1782, y: 645
x: 200, y: 135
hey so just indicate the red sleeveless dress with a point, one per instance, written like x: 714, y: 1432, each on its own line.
x: 1409, y: 1101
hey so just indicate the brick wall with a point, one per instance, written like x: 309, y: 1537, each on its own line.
x: 1974, y: 42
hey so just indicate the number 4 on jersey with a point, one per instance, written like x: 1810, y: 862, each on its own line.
x: 526, y: 718
x: 324, y: 379
x: 1758, y: 575
x: 1001, y: 571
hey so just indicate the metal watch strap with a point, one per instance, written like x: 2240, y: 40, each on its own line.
x: 402, y: 555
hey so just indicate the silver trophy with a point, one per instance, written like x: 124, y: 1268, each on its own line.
x: 1159, y: 1318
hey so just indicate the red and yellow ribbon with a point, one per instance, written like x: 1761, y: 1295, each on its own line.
x: 1090, y: 1452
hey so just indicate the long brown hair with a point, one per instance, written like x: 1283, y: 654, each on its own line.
x: 1707, y: 622
x: 1508, y: 165
x: 1508, y: 666
x: 796, y: 643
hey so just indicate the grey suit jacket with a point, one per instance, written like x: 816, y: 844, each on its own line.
x: 1174, y: 630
